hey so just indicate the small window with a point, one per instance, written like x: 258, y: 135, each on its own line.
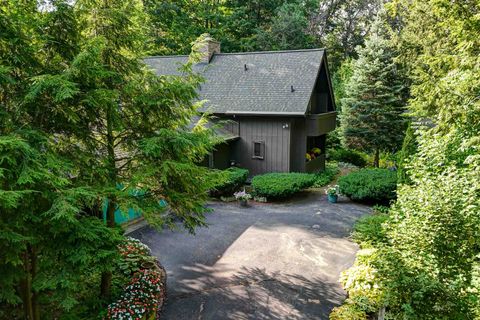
x: 258, y: 149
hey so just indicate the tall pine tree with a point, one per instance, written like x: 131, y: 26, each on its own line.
x: 371, y: 119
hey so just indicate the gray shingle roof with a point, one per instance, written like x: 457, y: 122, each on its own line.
x: 265, y: 87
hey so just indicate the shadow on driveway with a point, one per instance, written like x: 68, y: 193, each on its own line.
x: 268, y: 261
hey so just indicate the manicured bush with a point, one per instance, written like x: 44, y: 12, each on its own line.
x: 370, y: 185
x: 234, y: 180
x: 326, y: 176
x: 347, y: 155
x: 281, y: 185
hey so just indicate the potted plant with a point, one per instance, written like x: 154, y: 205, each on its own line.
x: 242, y: 197
x: 332, y: 194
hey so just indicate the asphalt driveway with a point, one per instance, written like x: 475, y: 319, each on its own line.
x: 268, y: 261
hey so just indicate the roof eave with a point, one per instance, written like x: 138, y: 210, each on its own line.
x: 263, y: 113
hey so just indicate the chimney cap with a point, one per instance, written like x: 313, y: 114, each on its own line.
x: 208, y: 37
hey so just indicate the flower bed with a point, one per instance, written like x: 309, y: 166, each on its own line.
x: 143, y: 297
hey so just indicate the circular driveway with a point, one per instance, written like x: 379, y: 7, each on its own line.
x: 267, y: 261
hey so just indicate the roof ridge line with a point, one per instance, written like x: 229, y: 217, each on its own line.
x: 241, y: 53
x: 270, y: 51
x: 171, y: 56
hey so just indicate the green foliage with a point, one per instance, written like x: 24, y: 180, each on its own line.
x: 435, y: 220
x: 347, y: 155
x: 326, y: 176
x: 364, y: 284
x: 333, y: 141
x: 79, y: 115
x: 348, y: 311
x: 405, y: 156
x: 339, y: 80
x: 281, y: 185
x: 369, y: 232
x: 339, y: 25
x: 134, y: 256
x: 370, y: 185
x: 430, y: 268
x: 235, y: 179
x: 44, y: 224
x: 371, y: 116
x: 287, y: 30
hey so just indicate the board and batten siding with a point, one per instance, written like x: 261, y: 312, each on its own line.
x: 299, y: 145
x: 276, y: 137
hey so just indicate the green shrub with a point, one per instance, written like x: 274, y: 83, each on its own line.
x: 235, y: 179
x: 370, y: 185
x: 369, y: 230
x: 281, y: 185
x: 326, y: 176
x: 347, y: 155
x: 348, y: 311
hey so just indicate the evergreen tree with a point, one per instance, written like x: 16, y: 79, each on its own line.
x: 372, y: 118
x: 83, y: 121
x: 126, y: 130
x: 48, y: 241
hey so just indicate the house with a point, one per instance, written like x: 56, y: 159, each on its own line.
x: 279, y: 106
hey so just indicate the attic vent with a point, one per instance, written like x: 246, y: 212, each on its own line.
x: 245, y: 67
x: 292, y: 89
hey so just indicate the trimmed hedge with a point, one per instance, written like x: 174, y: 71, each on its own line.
x: 347, y: 155
x: 281, y: 185
x: 236, y: 178
x: 370, y: 185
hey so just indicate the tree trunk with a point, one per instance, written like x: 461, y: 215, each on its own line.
x: 105, y: 285
x: 33, y: 261
x: 381, y: 313
x: 376, y: 159
x: 106, y: 281
x: 26, y: 285
x: 29, y: 297
x: 112, y: 203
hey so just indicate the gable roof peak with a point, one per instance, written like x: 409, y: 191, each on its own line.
x: 266, y: 85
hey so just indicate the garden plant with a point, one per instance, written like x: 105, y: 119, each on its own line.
x: 370, y: 185
x: 281, y: 185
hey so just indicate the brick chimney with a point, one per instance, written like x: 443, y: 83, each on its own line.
x: 208, y: 47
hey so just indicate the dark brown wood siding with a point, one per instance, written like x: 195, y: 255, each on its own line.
x: 274, y: 133
x: 321, y: 100
x: 222, y: 155
x: 299, y: 145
